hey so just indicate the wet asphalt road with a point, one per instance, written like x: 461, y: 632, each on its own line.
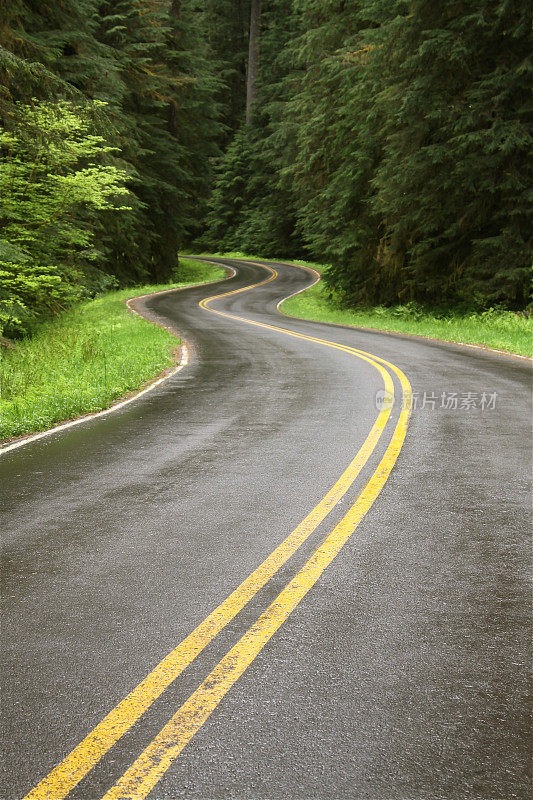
x: 401, y: 675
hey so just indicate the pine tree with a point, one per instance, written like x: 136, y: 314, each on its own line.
x: 453, y: 181
x: 226, y: 30
x: 140, y: 75
x: 169, y: 123
x: 388, y: 138
x: 251, y: 208
x: 337, y: 134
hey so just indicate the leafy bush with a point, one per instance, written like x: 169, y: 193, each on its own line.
x: 55, y: 186
x: 30, y: 291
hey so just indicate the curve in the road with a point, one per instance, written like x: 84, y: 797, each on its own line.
x: 119, y: 404
x: 144, y: 773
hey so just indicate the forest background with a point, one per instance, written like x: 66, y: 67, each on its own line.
x: 388, y: 139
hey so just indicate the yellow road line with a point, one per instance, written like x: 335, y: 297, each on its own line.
x: 370, y: 357
x: 68, y: 773
x: 152, y: 764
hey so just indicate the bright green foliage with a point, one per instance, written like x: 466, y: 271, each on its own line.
x: 99, y: 99
x: 26, y: 291
x: 52, y: 179
x: 53, y: 187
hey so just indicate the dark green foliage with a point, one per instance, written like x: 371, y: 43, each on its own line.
x: 252, y: 206
x: 230, y: 193
x: 452, y: 182
x: 226, y: 24
x: 391, y: 140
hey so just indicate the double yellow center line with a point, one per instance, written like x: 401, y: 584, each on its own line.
x: 151, y: 765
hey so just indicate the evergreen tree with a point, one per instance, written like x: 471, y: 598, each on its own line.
x: 252, y: 207
x: 337, y: 135
x: 388, y: 138
x: 226, y: 30
x: 142, y: 72
x: 454, y: 179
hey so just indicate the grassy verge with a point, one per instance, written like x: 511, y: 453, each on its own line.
x: 496, y: 329
x: 499, y: 330
x: 92, y: 355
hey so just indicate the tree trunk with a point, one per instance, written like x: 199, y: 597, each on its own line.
x: 253, y: 58
x: 173, y: 108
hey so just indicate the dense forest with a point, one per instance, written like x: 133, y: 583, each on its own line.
x: 389, y: 139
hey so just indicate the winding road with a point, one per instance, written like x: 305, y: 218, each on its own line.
x: 295, y: 570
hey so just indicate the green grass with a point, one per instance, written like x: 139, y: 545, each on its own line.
x: 496, y: 329
x: 93, y: 354
x: 499, y: 330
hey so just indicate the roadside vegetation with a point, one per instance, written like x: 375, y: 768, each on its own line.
x: 108, y: 125
x: 390, y: 140
x: 495, y: 328
x: 498, y: 329
x: 83, y: 360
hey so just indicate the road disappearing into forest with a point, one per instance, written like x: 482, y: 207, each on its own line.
x: 295, y: 569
